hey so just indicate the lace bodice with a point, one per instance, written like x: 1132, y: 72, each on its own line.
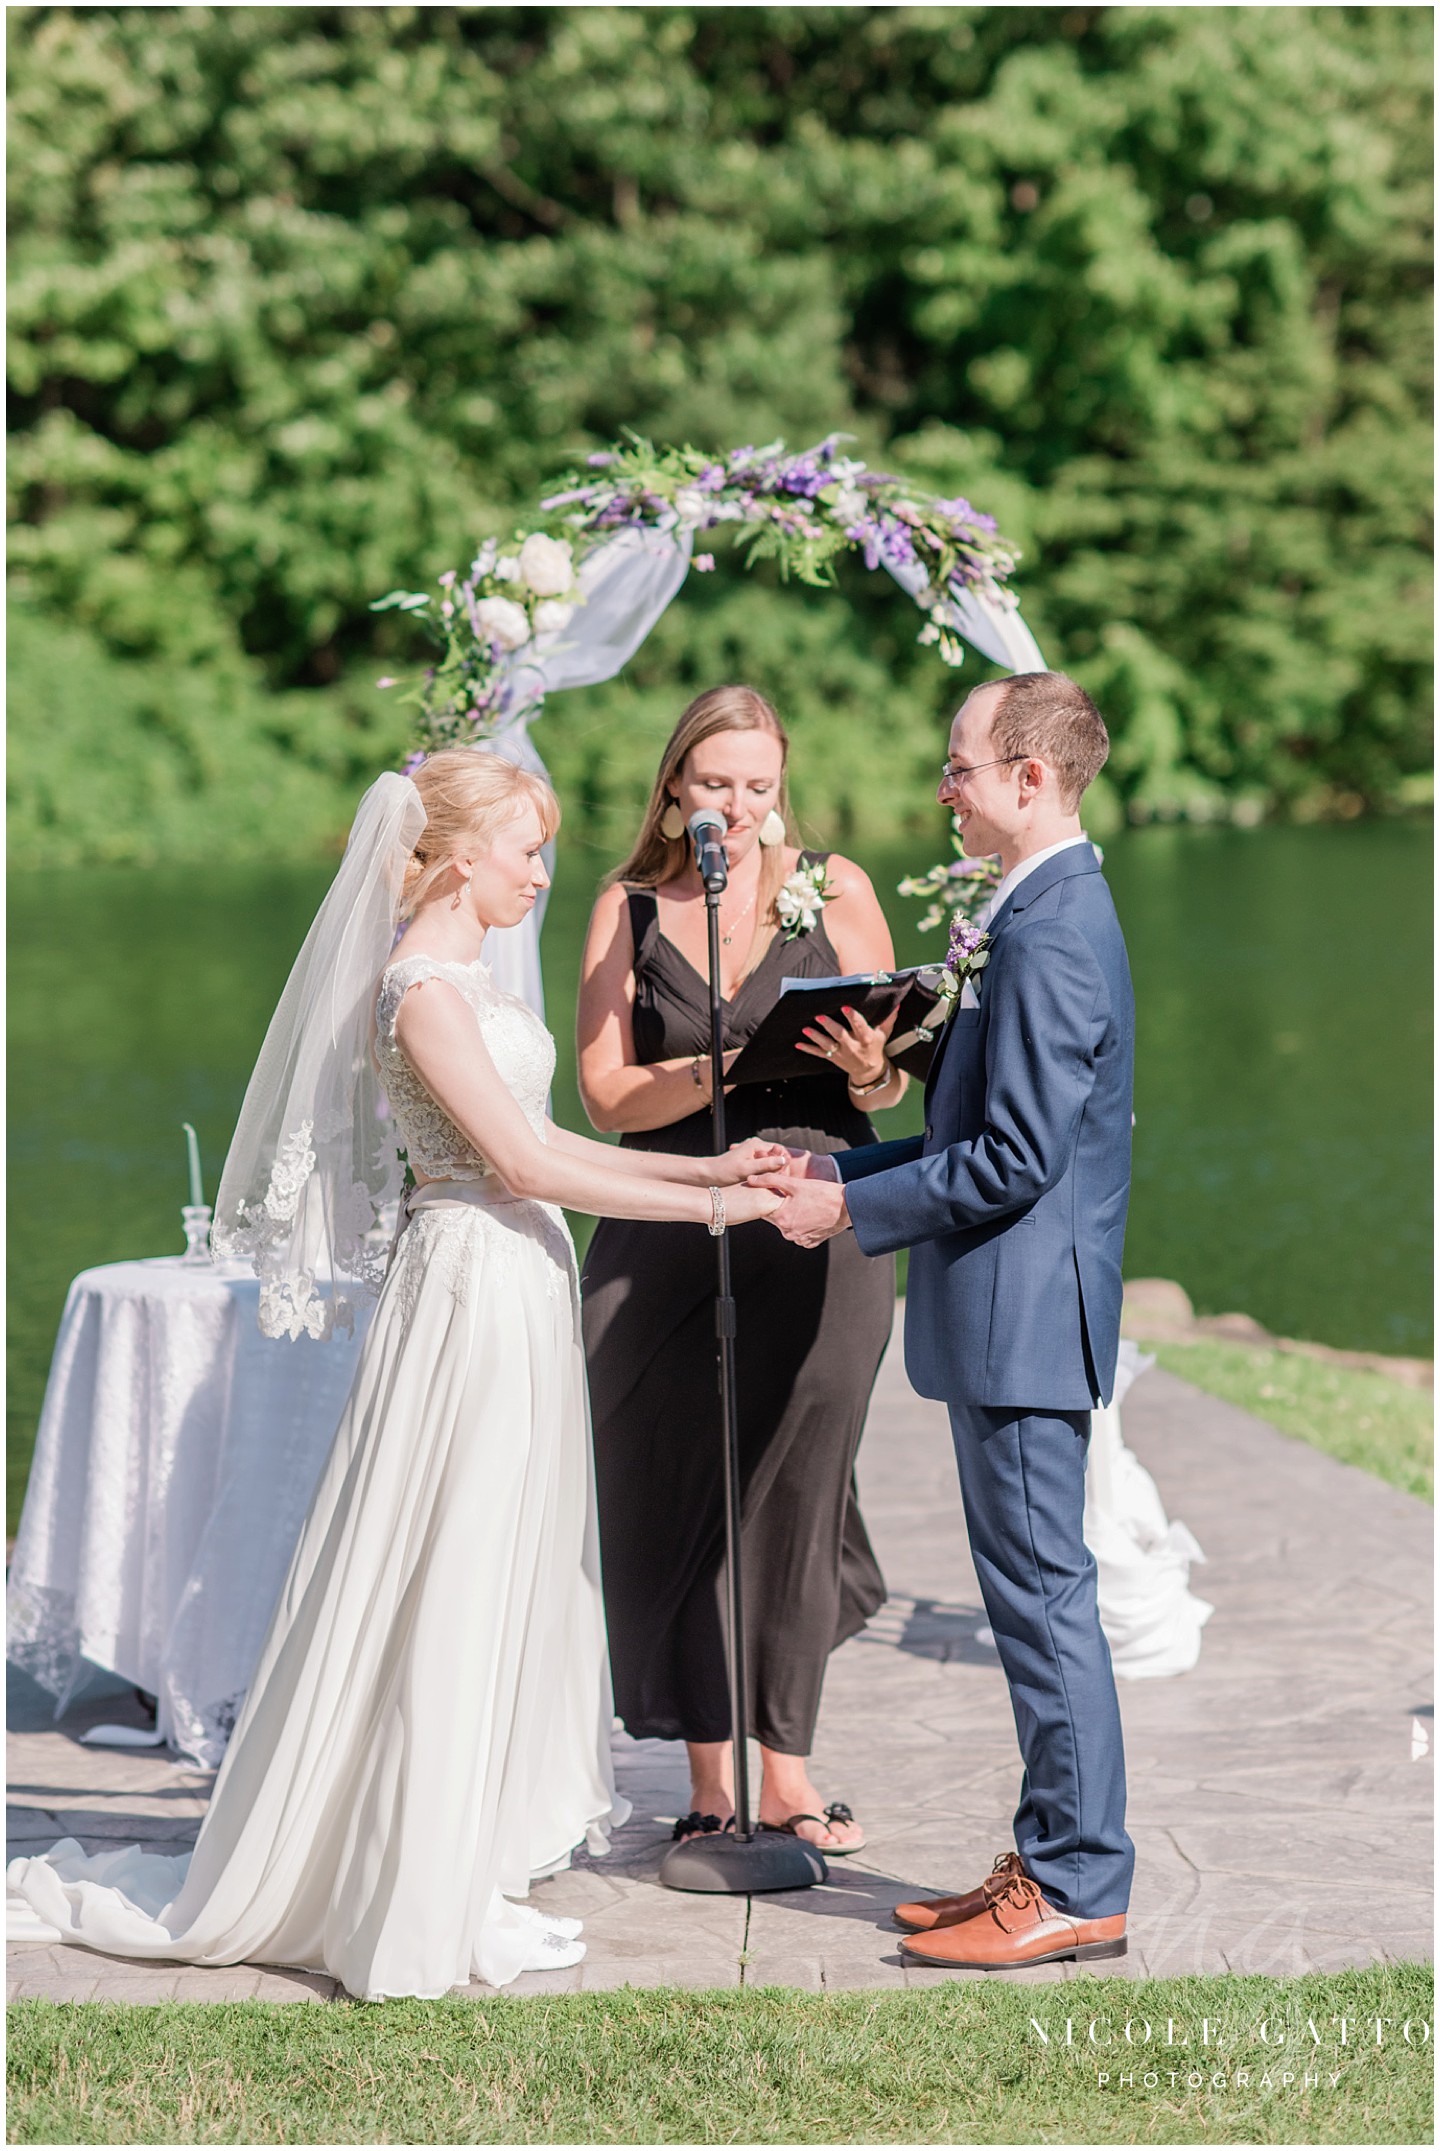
x: 519, y: 1044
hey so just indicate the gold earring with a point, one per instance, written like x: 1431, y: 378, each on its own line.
x: 772, y: 829
x: 672, y: 821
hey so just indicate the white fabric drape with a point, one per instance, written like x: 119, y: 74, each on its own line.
x: 513, y: 952
x: 627, y: 584
x: 1151, y: 1618
x: 996, y: 631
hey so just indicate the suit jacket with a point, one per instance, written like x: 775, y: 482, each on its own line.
x: 1014, y: 1199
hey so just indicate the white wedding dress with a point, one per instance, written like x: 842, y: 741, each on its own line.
x: 429, y: 1724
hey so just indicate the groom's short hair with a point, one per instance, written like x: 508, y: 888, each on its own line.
x: 1046, y: 715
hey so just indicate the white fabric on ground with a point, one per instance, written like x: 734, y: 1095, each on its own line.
x: 1151, y: 1618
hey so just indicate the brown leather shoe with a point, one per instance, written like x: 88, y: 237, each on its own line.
x: 931, y: 1912
x: 1017, y: 1928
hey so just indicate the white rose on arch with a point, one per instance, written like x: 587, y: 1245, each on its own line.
x: 551, y: 614
x: 691, y: 505
x: 545, y: 565
x: 503, y: 621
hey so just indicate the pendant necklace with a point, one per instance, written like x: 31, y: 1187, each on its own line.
x: 726, y: 939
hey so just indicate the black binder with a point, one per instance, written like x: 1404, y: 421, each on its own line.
x: 923, y: 1016
x: 770, y: 1056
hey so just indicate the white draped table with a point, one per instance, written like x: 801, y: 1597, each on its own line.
x: 175, y: 1459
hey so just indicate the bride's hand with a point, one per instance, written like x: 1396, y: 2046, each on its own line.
x: 744, y: 1161
x: 743, y: 1205
x: 790, y: 1168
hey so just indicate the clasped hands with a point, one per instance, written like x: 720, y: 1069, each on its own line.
x: 810, y: 1206
x: 810, y: 1201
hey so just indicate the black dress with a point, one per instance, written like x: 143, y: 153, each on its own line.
x: 813, y: 1324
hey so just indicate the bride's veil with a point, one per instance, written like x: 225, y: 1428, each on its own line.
x: 314, y: 1158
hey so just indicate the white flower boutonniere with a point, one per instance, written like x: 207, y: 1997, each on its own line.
x: 801, y: 899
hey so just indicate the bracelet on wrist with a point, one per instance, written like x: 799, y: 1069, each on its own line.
x: 717, y: 1212
x: 868, y: 1090
x: 695, y: 1067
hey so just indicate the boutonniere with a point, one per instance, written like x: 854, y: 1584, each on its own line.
x: 968, y: 955
x: 802, y: 897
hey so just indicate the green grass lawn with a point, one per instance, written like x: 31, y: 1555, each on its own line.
x: 962, y: 2063
x: 1366, y: 1419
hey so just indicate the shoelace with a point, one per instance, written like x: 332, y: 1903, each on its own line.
x: 1017, y: 1888
x: 1005, y: 1869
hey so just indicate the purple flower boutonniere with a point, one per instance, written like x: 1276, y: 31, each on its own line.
x: 968, y: 955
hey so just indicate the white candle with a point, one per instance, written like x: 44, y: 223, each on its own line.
x: 197, y: 1185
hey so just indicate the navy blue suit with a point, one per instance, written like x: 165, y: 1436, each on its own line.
x: 1013, y: 1204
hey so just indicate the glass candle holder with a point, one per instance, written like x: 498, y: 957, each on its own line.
x: 196, y: 1219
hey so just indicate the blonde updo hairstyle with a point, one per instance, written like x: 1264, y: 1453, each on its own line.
x: 657, y: 858
x: 469, y: 796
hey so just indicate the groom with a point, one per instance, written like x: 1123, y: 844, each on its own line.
x: 1013, y: 1203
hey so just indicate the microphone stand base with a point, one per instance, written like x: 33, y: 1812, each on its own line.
x: 721, y: 1863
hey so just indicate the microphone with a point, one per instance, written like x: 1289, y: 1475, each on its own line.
x: 707, y: 834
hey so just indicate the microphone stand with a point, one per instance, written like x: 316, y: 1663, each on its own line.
x: 748, y: 1860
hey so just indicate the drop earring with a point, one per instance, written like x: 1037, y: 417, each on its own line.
x: 672, y: 821
x: 772, y: 829
x: 462, y: 891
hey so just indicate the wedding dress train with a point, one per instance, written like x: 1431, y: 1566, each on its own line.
x: 428, y: 1727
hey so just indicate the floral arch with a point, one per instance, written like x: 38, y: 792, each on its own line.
x: 569, y: 602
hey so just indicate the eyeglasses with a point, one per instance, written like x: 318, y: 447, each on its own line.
x: 950, y: 773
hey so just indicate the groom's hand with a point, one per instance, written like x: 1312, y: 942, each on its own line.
x: 811, y: 1211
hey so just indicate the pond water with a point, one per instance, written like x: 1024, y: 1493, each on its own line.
x: 1282, y: 1142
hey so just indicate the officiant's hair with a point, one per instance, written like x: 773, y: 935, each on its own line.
x: 1046, y: 714
x: 467, y: 792
x: 657, y: 857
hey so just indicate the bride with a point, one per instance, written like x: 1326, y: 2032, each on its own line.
x: 428, y: 1727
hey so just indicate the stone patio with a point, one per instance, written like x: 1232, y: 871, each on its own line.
x: 1281, y: 1816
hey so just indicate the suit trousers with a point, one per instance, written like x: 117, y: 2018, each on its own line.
x: 1022, y: 1475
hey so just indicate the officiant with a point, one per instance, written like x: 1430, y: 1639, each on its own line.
x: 812, y: 1325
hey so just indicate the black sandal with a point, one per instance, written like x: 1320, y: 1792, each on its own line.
x: 837, y: 1812
x: 697, y: 1825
